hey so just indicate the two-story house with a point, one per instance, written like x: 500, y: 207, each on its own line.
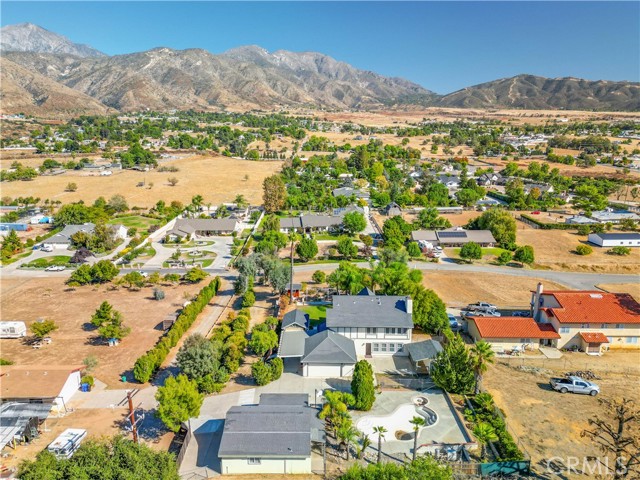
x: 590, y: 320
x: 362, y: 325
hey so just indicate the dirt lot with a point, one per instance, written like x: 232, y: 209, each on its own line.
x: 632, y: 289
x: 217, y: 178
x: 548, y: 423
x: 553, y: 250
x: 34, y: 298
x: 458, y: 290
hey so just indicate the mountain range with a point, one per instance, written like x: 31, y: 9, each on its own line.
x: 45, y: 73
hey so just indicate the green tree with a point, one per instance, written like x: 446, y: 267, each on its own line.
x: 112, y: 458
x: 336, y: 408
x: 71, y: 187
x: 505, y: 257
x: 484, y: 434
x: 319, y: 276
x: 362, y: 386
x: 271, y: 223
x: 429, y: 219
x: 396, y: 231
x: 380, y: 431
x: 347, y: 435
x: 249, y: 299
x: 452, y: 369
x: 354, y: 222
x: 178, y: 401
x: 471, y: 251
x: 481, y: 356
x: 195, y: 275
x: 197, y: 357
x: 274, y: 194
x: 589, y: 198
x: 117, y: 203
x: 103, y: 271
x: 263, y: 341
x: 261, y: 373
x: 307, y: 249
x: 43, y: 328
x: 584, y: 230
x: 11, y: 244
x: 347, y: 278
x: 81, y: 275
x: 104, y: 313
x: 346, y: 247
x: 134, y: 279
x: 619, y: 251
x: 418, y: 423
x: 414, y: 250
x: 501, y: 224
x: 524, y: 255
x: 429, y: 311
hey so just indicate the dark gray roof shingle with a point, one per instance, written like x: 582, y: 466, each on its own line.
x: 369, y: 311
x: 329, y: 348
x: 423, y: 350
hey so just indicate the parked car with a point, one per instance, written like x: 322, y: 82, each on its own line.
x: 46, y: 248
x: 453, y: 323
x: 522, y: 313
x: 143, y: 273
x: 575, y: 385
x: 537, y: 212
x: 481, y: 306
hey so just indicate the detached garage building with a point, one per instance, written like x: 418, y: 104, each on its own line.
x: 615, y: 239
x: 31, y: 384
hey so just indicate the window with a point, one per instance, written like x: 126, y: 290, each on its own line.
x: 253, y: 461
x: 564, y: 329
x: 376, y: 347
x: 604, y: 325
x: 632, y: 339
x: 619, y: 325
x: 371, y: 330
x: 399, y: 345
x: 585, y: 325
x: 383, y: 347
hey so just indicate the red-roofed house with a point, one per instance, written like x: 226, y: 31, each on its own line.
x: 509, y: 333
x: 590, y: 320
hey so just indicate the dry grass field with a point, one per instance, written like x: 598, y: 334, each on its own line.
x: 632, y: 289
x: 28, y: 299
x: 217, y: 178
x: 553, y: 250
x: 548, y: 423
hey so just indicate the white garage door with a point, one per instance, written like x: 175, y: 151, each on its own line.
x: 323, y: 371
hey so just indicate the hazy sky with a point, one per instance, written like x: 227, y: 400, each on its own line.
x: 442, y: 46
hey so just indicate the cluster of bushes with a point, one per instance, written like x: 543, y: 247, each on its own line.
x: 621, y: 251
x: 149, y: 363
x: 100, y: 272
x: 264, y: 340
x: 231, y: 337
x: 249, y: 297
x: 426, y: 468
x: 61, y: 261
x: 584, y: 250
x: 485, y: 412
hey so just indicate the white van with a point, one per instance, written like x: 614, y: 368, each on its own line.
x: 67, y: 443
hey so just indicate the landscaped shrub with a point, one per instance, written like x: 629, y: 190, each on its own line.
x: 619, y: 251
x: 277, y: 367
x: 87, y: 379
x: 249, y: 299
x: 584, y: 250
x: 147, y: 364
x: 158, y: 294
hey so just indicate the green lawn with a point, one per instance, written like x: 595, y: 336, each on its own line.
x: 135, y: 221
x: 317, y: 313
x: 49, y: 261
x: 495, y: 251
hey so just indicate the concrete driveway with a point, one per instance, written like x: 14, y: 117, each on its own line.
x: 392, y: 365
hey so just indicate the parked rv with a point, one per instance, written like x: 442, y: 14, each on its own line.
x: 67, y: 443
x: 13, y: 330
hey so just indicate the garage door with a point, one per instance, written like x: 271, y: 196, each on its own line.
x: 323, y: 371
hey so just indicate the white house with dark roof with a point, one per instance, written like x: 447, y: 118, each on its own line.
x: 191, y: 228
x: 617, y: 239
x: 273, y: 437
x: 62, y: 239
x: 454, y: 237
x: 328, y: 354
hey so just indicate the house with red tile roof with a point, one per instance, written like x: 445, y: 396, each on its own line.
x: 593, y: 321
x: 511, y: 333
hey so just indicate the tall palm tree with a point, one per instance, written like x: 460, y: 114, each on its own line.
x: 417, y: 422
x: 347, y: 434
x: 484, y: 434
x: 481, y: 356
x: 380, y: 430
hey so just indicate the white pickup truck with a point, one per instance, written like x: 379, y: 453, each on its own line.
x: 575, y: 385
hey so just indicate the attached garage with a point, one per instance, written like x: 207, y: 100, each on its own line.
x: 328, y: 354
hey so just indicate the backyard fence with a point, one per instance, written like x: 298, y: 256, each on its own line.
x: 569, y: 362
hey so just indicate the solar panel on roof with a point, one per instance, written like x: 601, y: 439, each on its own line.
x: 452, y: 234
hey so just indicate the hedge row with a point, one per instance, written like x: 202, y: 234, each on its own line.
x: 150, y: 362
x: 549, y: 226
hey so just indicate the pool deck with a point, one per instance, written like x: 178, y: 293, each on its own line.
x: 445, y: 430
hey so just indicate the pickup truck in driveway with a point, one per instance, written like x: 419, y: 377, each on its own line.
x: 575, y: 385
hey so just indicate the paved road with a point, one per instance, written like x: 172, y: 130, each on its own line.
x: 577, y: 280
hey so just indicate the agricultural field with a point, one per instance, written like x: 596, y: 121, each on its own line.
x: 217, y: 178
x: 29, y: 299
x: 554, y: 251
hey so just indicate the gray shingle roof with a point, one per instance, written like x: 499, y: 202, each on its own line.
x: 284, y: 399
x: 64, y: 236
x: 277, y: 427
x: 190, y: 225
x: 618, y: 236
x: 452, y: 236
x: 369, y: 311
x: 311, y: 221
x: 295, y: 317
x: 423, y: 350
x: 292, y: 343
x: 329, y: 348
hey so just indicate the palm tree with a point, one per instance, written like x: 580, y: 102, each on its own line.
x: 417, y: 422
x: 366, y: 442
x: 347, y: 435
x: 484, y: 434
x: 481, y: 356
x: 380, y: 430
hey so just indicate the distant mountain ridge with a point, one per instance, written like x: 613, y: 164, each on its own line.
x: 251, y: 77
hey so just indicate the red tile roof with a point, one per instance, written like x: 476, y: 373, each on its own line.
x: 513, y: 327
x: 594, y: 337
x: 594, y: 307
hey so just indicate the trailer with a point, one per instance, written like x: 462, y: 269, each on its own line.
x: 67, y: 443
x: 13, y: 330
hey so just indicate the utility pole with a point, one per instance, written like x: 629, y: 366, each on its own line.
x: 132, y: 416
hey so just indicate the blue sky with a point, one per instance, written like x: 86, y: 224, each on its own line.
x: 442, y: 46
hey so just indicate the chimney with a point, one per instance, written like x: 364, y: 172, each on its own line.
x: 409, y: 305
x: 535, y: 307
